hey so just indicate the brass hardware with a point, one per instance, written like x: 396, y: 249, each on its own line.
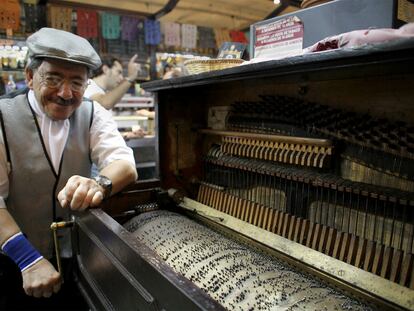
x: 55, y: 226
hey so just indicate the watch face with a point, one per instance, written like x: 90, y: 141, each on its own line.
x: 105, y: 183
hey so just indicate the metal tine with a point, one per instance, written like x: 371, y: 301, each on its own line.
x: 394, y: 209
x: 356, y: 226
x: 261, y: 188
x: 278, y: 186
x: 272, y: 195
x: 274, y: 191
x: 296, y: 203
x: 383, y: 221
x: 257, y: 179
x: 350, y: 209
x: 245, y: 174
x: 328, y: 209
x: 239, y: 175
x: 230, y: 162
x: 364, y: 228
x: 308, y: 196
x: 320, y: 185
x: 374, y: 230
x: 334, y: 190
x: 343, y: 210
x: 238, y: 167
x: 404, y: 219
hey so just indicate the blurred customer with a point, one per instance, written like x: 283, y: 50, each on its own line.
x: 108, y: 84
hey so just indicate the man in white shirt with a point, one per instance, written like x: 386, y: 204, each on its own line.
x: 108, y: 84
x: 48, y: 138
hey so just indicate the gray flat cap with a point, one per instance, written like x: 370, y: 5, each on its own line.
x: 59, y: 44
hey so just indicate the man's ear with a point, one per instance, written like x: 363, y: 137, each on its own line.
x: 29, y: 77
x: 105, y: 69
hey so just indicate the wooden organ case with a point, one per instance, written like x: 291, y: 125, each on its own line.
x: 307, y: 160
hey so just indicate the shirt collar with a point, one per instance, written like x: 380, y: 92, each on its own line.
x: 34, y: 104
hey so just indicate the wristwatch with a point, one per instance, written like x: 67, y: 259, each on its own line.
x: 105, y: 183
x: 132, y: 81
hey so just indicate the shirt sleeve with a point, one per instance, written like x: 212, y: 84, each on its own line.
x: 107, y: 144
x: 92, y: 89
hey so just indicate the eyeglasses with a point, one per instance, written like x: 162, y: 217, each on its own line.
x: 56, y: 82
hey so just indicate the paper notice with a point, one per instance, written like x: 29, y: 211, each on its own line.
x: 279, y: 39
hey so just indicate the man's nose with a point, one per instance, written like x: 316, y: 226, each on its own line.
x: 65, y: 90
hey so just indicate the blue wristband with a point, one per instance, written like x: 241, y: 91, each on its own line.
x: 19, y: 249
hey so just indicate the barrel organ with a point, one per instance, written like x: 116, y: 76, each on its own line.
x: 302, y: 195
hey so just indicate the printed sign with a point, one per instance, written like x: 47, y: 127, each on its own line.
x: 279, y: 39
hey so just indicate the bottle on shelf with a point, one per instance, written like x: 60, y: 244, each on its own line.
x: 11, y: 85
x: 5, y: 57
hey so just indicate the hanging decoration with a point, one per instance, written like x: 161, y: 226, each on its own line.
x: 152, y: 32
x: 142, y: 48
x: 172, y: 34
x: 207, y: 39
x: 110, y: 25
x: 189, y: 36
x: 61, y: 18
x: 238, y: 36
x: 87, y: 23
x: 35, y: 17
x: 129, y: 28
x: 9, y: 14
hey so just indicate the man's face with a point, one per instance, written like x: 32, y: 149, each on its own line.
x: 58, y: 87
x: 114, y: 75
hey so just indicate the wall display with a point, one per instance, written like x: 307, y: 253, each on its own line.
x: 121, y: 35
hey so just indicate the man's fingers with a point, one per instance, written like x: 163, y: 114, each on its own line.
x: 56, y: 287
x: 66, y: 194
x: 97, y: 198
x: 133, y: 58
x: 37, y: 293
x: 88, y: 199
x: 64, y: 203
x: 28, y: 291
x: 80, y: 193
x: 79, y: 196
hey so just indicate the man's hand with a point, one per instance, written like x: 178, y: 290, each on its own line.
x: 133, y: 68
x: 41, y: 279
x: 80, y: 193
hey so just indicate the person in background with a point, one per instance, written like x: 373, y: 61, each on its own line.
x: 49, y: 135
x: 108, y: 84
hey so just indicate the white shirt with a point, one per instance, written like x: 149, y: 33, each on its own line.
x: 93, y: 89
x: 106, y: 143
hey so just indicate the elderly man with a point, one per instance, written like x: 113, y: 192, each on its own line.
x: 48, y: 138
